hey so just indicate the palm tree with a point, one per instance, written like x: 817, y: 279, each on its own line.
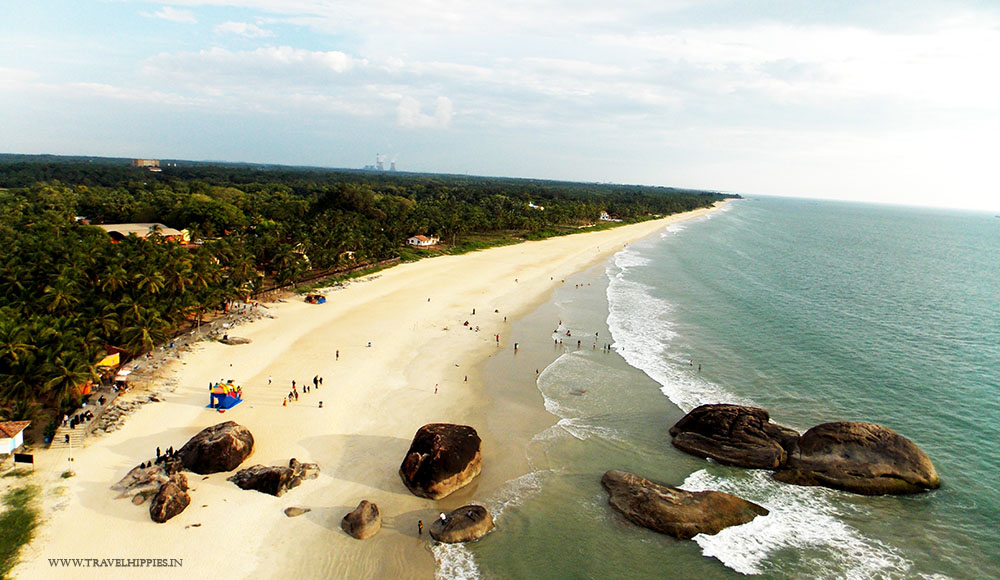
x: 150, y: 282
x: 13, y: 337
x: 61, y: 296
x: 114, y: 278
x: 69, y: 370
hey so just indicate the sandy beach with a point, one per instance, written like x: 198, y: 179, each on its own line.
x: 374, y: 399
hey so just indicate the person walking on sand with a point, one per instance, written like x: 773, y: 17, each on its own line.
x: 337, y: 355
x: 420, y: 527
x: 269, y: 381
x: 435, y: 388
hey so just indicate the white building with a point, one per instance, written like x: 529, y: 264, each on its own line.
x: 422, y: 241
x: 12, y: 435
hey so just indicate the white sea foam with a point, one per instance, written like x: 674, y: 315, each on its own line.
x: 643, y: 331
x: 454, y: 562
x: 572, y: 368
x: 804, y: 519
x: 515, y: 492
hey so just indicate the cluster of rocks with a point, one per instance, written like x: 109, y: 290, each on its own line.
x: 215, y: 449
x: 442, y: 458
x: 861, y: 458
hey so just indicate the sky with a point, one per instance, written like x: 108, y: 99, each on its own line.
x: 889, y: 101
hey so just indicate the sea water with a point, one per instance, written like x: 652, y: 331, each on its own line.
x: 816, y: 311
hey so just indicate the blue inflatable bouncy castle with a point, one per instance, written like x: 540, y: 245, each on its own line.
x: 225, y: 396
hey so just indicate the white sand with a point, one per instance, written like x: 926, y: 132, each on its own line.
x: 374, y: 400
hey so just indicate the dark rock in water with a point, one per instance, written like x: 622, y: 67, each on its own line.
x: 364, y: 522
x: 676, y: 512
x: 275, y: 480
x: 861, y: 458
x: 168, y: 502
x: 465, y: 524
x: 296, y: 511
x: 218, y: 448
x: 734, y: 435
x: 442, y: 458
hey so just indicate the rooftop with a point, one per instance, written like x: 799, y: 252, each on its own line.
x: 10, y: 429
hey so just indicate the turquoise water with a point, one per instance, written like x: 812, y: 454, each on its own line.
x: 817, y: 311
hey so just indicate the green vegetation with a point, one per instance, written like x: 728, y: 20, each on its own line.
x: 17, y: 525
x: 68, y: 294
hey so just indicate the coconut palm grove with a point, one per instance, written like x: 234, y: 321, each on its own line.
x: 71, y: 293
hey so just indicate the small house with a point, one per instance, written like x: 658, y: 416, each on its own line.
x: 12, y: 435
x: 422, y: 241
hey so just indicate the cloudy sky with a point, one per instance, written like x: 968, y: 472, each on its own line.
x: 883, y: 101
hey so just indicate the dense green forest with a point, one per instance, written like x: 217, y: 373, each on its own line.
x: 67, y: 293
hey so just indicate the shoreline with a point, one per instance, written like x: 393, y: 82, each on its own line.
x: 374, y: 397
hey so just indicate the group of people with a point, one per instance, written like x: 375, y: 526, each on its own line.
x: 77, y: 419
x: 293, y: 395
x: 160, y: 457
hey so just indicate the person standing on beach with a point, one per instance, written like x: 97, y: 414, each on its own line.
x: 420, y: 527
x: 268, y: 381
x: 435, y: 388
x: 338, y: 355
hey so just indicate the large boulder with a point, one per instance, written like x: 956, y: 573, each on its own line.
x: 442, y: 458
x: 222, y: 447
x: 144, y: 481
x: 274, y: 480
x: 465, y: 524
x: 676, y: 512
x: 734, y: 435
x: 364, y: 522
x: 861, y: 458
x: 169, y: 501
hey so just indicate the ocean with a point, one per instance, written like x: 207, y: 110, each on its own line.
x: 817, y: 311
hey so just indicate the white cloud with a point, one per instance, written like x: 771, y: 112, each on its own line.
x: 411, y: 117
x: 173, y: 15
x: 243, y: 29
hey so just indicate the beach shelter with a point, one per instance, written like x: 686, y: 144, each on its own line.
x: 112, y: 360
x: 225, y: 396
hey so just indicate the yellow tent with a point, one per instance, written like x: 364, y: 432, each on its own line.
x: 112, y: 360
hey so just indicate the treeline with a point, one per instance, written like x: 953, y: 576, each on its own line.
x: 67, y: 293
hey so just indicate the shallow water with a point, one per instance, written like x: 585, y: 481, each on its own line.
x: 818, y: 311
